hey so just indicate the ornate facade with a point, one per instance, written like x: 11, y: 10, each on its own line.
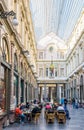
x: 17, y: 56
x: 66, y: 78
x: 59, y: 65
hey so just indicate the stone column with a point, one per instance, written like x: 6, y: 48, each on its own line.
x: 58, y: 93
x: 41, y: 95
x: 45, y: 91
x: 51, y: 96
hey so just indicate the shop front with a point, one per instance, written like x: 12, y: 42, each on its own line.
x: 16, y: 88
x: 4, y: 93
x: 22, y: 91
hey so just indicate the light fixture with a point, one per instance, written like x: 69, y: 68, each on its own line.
x: 75, y: 74
x: 15, y: 21
x: 5, y: 15
x: 32, y: 66
x: 25, y: 52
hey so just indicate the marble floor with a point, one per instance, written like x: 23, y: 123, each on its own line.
x: 75, y: 123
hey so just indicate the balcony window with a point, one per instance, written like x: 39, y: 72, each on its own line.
x: 61, y: 55
x: 40, y: 72
x: 55, y: 72
x: 4, y: 49
x: 46, y: 72
x: 61, y: 71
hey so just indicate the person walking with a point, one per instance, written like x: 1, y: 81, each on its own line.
x: 76, y: 103
x: 65, y: 103
x: 73, y: 102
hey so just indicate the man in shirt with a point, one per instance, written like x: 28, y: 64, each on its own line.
x: 19, y: 113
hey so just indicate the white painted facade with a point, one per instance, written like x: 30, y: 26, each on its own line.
x: 67, y: 58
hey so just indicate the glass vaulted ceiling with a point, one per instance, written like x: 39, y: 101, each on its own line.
x: 58, y: 16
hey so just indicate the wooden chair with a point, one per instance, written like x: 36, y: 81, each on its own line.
x: 50, y: 117
x: 61, y: 117
x: 37, y: 115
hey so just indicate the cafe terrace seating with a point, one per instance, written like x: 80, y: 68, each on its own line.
x: 50, y: 117
x: 61, y: 117
x: 37, y: 116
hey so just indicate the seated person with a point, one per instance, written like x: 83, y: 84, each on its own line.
x: 60, y: 108
x: 55, y: 105
x: 35, y: 110
x: 22, y: 106
x: 50, y: 111
x: 19, y: 113
x: 48, y: 106
x: 27, y: 105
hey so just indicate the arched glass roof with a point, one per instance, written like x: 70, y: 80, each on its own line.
x: 57, y: 16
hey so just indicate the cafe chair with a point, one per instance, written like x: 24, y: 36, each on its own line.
x: 37, y: 116
x: 50, y: 117
x: 61, y: 117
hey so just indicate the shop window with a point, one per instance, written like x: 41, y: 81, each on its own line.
x: 15, y: 92
x: 2, y: 88
x: 15, y: 62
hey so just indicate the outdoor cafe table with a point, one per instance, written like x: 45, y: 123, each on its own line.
x: 28, y: 114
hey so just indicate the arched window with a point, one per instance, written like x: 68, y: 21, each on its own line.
x: 15, y: 62
x: 4, y: 49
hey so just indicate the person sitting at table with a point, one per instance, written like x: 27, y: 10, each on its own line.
x: 62, y: 109
x: 22, y: 106
x: 50, y: 111
x: 35, y: 110
x: 27, y: 105
x: 47, y: 106
x: 19, y: 112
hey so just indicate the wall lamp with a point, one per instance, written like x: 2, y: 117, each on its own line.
x: 25, y: 52
x: 32, y: 66
x: 75, y: 73
x: 5, y: 14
